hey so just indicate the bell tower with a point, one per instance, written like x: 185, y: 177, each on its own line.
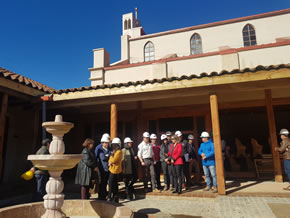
x: 131, y: 28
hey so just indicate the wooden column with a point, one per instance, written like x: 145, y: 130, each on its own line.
x: 4, y: 105
x: 114, y: 121
x: 139, y: 122
x: 208, y: 124
x: 273, y: 136
x: 139, y: 135
x: 217, y: 144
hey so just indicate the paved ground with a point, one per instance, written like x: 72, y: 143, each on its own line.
x: 225, y: 206
x: 241, y: 201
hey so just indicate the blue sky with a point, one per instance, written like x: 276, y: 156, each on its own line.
x: 52, y: 41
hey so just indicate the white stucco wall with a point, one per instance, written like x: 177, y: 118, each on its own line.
x: 207, y: 64
x: 265, y: 57
x: 194, y: 66
x: 267, y: 30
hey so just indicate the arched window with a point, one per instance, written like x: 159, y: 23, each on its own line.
x: 149, y: 54
x: 195, y: 44
x: 129, y: 24
x: 249, y: 35
x: 125, y: 25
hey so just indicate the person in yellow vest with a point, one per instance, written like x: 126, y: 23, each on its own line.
x: 115, y: 168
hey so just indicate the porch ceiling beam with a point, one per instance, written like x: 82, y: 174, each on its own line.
x: 167, y: 94
x: 195, y: 87
x: 20, y: 87
x: 239, y: 81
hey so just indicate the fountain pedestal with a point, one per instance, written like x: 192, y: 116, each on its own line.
x: 55, y: 163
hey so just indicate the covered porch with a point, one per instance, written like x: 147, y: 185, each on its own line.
x: 213, y: 102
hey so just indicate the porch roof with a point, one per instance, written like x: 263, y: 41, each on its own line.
x: 8, y: 80
x: 247, y: 71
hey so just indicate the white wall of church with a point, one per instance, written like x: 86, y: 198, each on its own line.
x: 267, y: 31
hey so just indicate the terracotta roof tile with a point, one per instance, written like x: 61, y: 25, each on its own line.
x: 184, y: 77
x: 24, y: 80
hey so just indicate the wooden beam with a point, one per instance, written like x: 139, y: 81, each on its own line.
x: 4, y: 105
x: 208, y: 122
x: 273, y: 136
x: 196, y: 86
x: 20, y: 95
x: 139, y: 121
x: 217, y: 145
x: 114, y: 121
x: 20, y: 87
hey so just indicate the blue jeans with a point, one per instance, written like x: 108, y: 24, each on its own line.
x: 41, y: 183
x: 210, y: 171
x: 287, y: 168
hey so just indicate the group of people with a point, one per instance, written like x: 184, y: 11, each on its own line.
x: 108, y: 161
x: 175, y: 157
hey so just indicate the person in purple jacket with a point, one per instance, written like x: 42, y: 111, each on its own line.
x: 206, y: 151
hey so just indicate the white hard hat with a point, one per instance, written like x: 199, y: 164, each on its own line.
x: 204, y: 135
x: 168, y: 133
x: 284, y: 132
x: 146, y: 135
x: 178, y: 133
x: 190, y: 136
x: 105, y: 139
x: 163, y: 136
x: 127, y: 139
x: 106, y: 135
x: 153, y: 136
x: 116, y: 141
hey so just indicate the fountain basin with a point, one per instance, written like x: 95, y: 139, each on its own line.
x: 58, y: 162
x: 59, y: 127
x: 72, y: 208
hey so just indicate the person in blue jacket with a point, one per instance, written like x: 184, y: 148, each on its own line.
x: 103, y: 158
x: 206, y: 151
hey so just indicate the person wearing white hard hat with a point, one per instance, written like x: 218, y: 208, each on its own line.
x: 168, y: 135
x: 206, y: 151
x: 146, y: 157
x: 103, y: 154
x: 285, y: 150
x: 105, y: 137
x: 175, y: 159
x: 115, y: 168
x: 167, y: 172
x: 157, y: 163
x: 129, y: 169
x: 186, y: 180
x: 193, y: 163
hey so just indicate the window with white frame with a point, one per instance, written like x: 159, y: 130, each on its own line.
x: 195, y: 44
x: 249, y: 35
x: 149, y: 54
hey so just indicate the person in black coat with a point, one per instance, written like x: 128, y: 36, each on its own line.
x: 86, y: 167
x: 167, y: 172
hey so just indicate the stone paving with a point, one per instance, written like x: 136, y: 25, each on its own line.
x: 222, y: 206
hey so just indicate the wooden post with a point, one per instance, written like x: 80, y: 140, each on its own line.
x: 273, y: 136
x: 4, y: 105
x: 139, y: 135
x: 139, y: 122
x: 217, y: 145
x: 114, y: 121
x: 208, y: 124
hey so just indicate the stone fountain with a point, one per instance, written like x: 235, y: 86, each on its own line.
x: 54, y: 203
x: 55, y: 163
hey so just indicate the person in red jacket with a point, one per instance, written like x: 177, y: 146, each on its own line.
x: 175, y: 157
